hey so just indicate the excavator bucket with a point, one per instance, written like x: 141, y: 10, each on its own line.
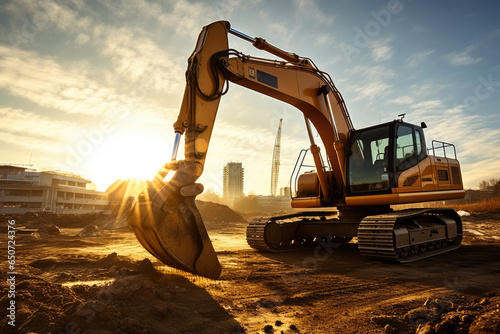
x: 167, y: 223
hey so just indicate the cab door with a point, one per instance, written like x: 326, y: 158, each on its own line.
x: 409, y: 151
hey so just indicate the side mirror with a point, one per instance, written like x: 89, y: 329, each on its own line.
x: 423, y: 125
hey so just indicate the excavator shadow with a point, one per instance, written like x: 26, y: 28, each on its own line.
x: 159, y: 303
x: 470, y: 269
x: 318, y: 257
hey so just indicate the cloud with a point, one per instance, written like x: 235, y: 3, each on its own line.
x: 309, y: 9
x: 65, y: 87
x: 142, y: 62
x: 279, y: 30
x: 427, y: 105
x: 47, y: 83
x: 187, y: 18
x: 33, y: 131
x: 426, y: 89
x: 418, y: 58
x: 140, y: 9
x: 324, y: 39
x: 493, y: 35
x: 31, y: 17
x: 33, y: 124
x: 82, y: 39
x: 462, y: 58
x: 417, y: 28
x: 373, y: 73
x: 67, y: 19
x: 402, y: 100
x: 381, y: 50
x: 16, y: 140
x: 279, y: 33
x: 372, y: 83
x: 370, y: 91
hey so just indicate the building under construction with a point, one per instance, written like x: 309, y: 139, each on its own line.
x: 233, y: 182
x: 24, y: 189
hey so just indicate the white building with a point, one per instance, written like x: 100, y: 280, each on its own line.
x: 24, y: 189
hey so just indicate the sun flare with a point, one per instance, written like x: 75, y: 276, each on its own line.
x: 127, y: 156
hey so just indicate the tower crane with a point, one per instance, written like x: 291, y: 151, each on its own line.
x: 275, y: 168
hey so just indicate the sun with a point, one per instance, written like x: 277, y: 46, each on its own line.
x: 128, y: 155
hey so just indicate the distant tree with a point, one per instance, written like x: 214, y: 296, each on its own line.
x: 492, y: 186
x: 483, y: 186
x: 496, y: 188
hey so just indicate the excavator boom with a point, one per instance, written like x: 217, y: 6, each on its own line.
x: 165, y: 218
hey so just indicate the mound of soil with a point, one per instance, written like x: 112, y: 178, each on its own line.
x: 447, y: 316
x: 133, y: 298
x: 214, y: 212
x: 40, y: 304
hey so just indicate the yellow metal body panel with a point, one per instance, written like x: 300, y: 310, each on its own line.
x: 448, y: 173
x: 431, y: 174
x: 403, y: 198
x: 409, y: 180
x: 428, y: 174
x: 308, y: 202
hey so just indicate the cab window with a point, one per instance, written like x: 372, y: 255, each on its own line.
x: 407, y: 149
x: 368, y: 160
x: 404, y: 143
x: 419, y: 140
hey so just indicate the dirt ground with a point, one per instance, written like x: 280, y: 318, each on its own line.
x: 103, y: 281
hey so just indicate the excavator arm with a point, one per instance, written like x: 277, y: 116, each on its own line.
x: 165, y: 218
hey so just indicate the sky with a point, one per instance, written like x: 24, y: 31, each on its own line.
x: 93, y: 87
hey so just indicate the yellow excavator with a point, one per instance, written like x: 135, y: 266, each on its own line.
x: 366, y: 170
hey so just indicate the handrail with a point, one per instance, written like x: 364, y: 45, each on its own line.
x: 439, y: 145
x: 296, y: 171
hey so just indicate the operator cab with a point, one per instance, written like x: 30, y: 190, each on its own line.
x: 379, y: 154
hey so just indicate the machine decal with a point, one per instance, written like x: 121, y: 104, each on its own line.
x: 267, y: 79
x: 251, y: 73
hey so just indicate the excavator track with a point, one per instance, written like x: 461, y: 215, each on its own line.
x: 400, y: 236
x: 281, y: 233
x: 255, y: 234
x: 410, y: 235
